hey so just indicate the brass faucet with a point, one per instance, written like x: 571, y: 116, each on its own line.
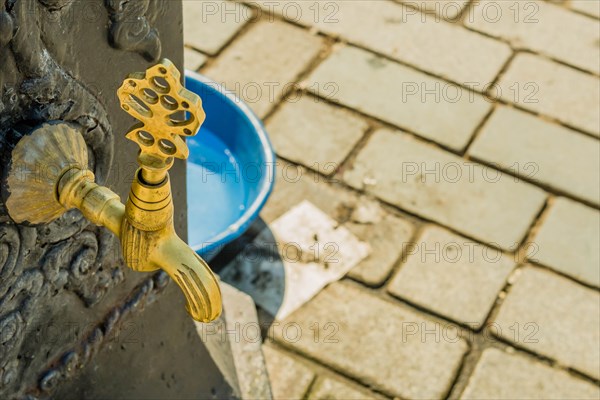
x: 144, y: 225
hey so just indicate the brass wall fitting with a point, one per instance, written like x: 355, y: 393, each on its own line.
x: 144, y: 224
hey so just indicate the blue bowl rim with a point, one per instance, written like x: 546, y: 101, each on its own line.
x: 236, y: 229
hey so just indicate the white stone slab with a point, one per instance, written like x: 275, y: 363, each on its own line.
x: 312, y: 251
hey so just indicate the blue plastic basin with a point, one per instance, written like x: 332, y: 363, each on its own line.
x: 230, y: 169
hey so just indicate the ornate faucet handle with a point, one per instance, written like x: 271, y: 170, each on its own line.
x: 166, y: 111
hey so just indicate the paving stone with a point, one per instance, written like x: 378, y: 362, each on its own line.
x: 552, y: 89
x: 385, y: 232
x: 367, y: 338
x: 452, y: 276
x: 404, y: 34
x: 386, y: 238
x: 569, y: 241
x: 330, y: 389
x: 368, y: 211
x: 315, y: 134
x: 401, y: 96
x: 264, y: 62
x: 290, y: 379
x: 590, y: 7
x: 447, y: 9
x: 499, y: 375
x: 208, y: 25
x: 531, y: 25
x: 294, y: 184
x: 541, y: 151
x: 193, y: 60
x: 475, y: 200
x: 555, y: 317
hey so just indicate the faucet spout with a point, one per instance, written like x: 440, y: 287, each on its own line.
x: 193, y: 275
x: 148, y: 239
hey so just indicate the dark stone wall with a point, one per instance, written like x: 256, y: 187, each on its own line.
x: 157, y: 355
x: 65, y: 296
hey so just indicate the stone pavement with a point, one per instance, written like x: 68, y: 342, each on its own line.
x: 460, y: 140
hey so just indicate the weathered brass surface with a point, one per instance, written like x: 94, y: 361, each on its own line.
x: 144, y: 224
x: 37, y: 163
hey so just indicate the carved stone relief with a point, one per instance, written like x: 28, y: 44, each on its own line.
x: 130, y: 28
x: 37, y: 263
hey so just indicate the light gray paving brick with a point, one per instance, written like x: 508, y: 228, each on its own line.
x: 500, y: 375
x: 264, y: 62
x: 330, y: 389
x: 589, y: 7
x: 555, y: 317
x: 569, y: 241
x: 293, y: 184
x: 193, y: 60
x: 404, y: 34
x: 401, y: 96
x: 366, y: 338
x: 387, y: 238
x: 531, y: 25
x: 541, y: 151
x: 290, y: 379
x: 209, y: 24
x: 384, y: 232
x: 552, y: 89
x: 452, y: 276
x: 475, y: 200
x: 315, y: 134
x: 447, y: 9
